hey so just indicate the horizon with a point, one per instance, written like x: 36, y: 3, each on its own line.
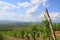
x: 10, y: 21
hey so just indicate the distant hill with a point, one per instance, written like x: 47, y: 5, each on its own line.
x: 15, y: 22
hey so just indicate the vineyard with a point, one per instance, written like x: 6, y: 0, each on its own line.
x: 32, y: 32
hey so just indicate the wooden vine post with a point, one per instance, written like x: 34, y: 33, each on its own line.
x: 50, y: 24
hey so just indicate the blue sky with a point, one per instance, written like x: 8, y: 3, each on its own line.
x: 29, y: 10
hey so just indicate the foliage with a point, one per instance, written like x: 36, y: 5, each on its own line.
x: 56, y: 26
x: 22, y: 33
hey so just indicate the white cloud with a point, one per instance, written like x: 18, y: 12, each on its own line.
x: 41, y: 16
x: 37, y: 2
x: 6, y: 15
x: 33, y: 5
x: 45, y: 3
x: 30, y: 18
x: 25, y: 4
x: 32, y: 9
x: 54, y: 16
x: 7, y: 6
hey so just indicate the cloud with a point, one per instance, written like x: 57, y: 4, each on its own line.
x: 28, y: 17
x: 40, y: 2
x: 37, y: 2
x: 7, y: 6
x: 7, y: 15
x: 32, y: 9
x: 53, y: 15
x: 25, y: 4
x: 32, y: 6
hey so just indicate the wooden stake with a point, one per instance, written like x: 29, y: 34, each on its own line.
x: 50, y: 25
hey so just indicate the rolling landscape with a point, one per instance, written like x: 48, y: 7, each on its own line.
x: 29, y: 19
x: 13, y: 30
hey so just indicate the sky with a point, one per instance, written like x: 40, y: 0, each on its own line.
x: 29, y: 10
